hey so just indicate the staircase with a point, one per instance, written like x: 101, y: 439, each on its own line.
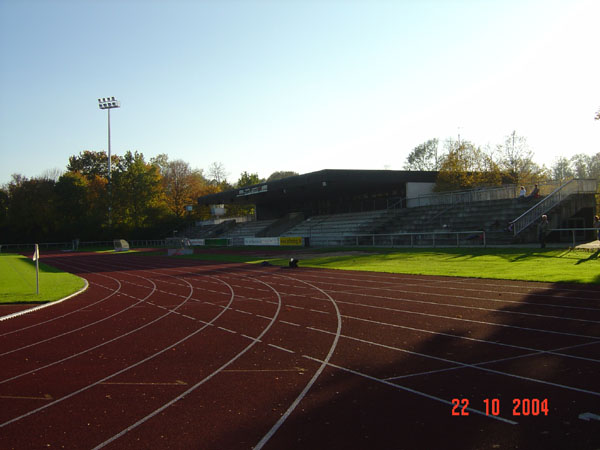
x: 552, y: 200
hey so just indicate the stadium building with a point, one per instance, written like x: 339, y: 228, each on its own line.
x: 327, y: 192
x: 341, y: 207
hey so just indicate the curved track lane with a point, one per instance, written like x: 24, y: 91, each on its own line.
x: 168, y: 353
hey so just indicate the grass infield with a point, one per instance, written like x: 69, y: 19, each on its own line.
x: 17, y: 281
x: 548, y: 265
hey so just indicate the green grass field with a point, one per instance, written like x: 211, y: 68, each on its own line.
x: 548, y: 265
x: 17, y: 273
x: 17, y: 281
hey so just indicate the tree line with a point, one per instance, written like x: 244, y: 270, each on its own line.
x: 149, y: 198
x: 141, y: 199
x: 464, y: 165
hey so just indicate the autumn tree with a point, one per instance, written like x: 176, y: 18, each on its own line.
x: 91, y: 163
x: 466, y: 166
x: 181, y: 185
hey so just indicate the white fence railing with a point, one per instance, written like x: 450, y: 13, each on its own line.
x: 420, y: 239
x: 551, y: 200
x: 471, y: 195
x: 138, y: 243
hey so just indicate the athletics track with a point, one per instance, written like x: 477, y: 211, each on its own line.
x: 173, y: 353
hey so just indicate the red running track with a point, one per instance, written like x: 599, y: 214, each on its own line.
x: 172, y: 353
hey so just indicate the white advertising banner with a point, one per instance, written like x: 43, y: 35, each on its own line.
x: 262, y: 241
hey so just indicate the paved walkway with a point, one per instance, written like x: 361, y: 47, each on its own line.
x: 594, y: 245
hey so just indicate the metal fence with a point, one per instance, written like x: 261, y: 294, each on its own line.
x: 470, y: 196
x: 553, y: 199
x: 421, y: 239
x: 578, y: 234
x: 69, y: 245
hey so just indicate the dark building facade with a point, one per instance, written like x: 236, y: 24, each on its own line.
x: 325, y: 192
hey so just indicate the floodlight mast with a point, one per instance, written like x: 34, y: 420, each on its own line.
x: 109, y: 103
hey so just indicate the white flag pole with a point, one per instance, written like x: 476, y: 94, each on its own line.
x: 36, y: 258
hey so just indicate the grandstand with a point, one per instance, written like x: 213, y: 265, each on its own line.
x: 347, y: 207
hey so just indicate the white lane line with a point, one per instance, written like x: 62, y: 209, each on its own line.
x: 281, y: 348
x: 250, y: 337
x: 200, y: 383
x: 472, y: 366
x: 75, y: 311
x: 400, y: 281
x: 89, y: 386
x: 509, y: 358
x: 227, y: 329
x: 537, y: 330
x: 324, y: 363
x: 45, y: 305
x: 413, y: 391
x: 470, y: 308
x: 56, y: 336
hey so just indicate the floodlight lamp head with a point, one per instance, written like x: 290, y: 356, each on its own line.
x: 108, y: 103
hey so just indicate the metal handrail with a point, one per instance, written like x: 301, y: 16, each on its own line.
x: 575, y: 186
x: 467, y: 196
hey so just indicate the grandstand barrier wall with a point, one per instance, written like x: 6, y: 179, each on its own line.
x: 474, y: 238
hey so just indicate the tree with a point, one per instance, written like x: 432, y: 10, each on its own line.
x: 4, y: 201
x: 76, y: 214
x: 136, y: 192
x: 561, y: 169
x: 31, y: 214
x: 248, y: 179
x: 181, y: 185
x: 217, y: 173
x: 90, y: 163
x: 516, y: 160
x: 161, y: 161
x: 586, y: 166
x: 51, y: 174
x: 423, y: 157
x: 466, y: 166
x: 281, y: 174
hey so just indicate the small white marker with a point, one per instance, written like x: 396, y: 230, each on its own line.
x: 589, y: 416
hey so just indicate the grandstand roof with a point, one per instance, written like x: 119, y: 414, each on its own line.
x: 297, y: 193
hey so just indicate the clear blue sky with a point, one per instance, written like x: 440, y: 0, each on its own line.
x: 297, y: 85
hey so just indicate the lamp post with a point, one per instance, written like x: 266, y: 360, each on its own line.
x: 109, y: 103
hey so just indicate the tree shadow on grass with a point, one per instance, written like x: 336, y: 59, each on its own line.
x: 593, y: 257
